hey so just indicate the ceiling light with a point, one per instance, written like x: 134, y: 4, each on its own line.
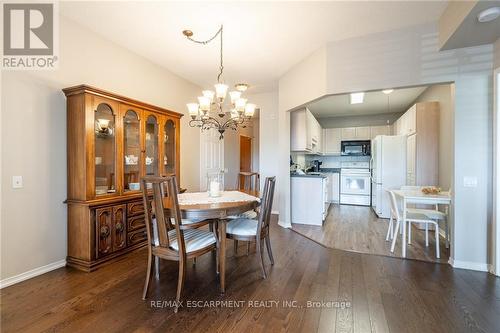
x: 241, y: 87
x: 357, y: 98
x: 387, y: 91
x: 489, y: 14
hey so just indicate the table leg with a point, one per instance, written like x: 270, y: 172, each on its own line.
x: 403, y: 242
x: 222, y: 255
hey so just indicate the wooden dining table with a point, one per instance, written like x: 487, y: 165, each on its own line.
x: 218, y: 211
x: 418, y: 197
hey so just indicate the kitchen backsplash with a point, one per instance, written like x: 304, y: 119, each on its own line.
x: 328, y: 161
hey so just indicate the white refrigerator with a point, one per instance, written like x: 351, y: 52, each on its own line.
x: 388, y: 163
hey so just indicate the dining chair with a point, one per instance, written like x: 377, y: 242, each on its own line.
x: 169, y: 236
x: 256, y: 229
x: 392, y: 231
x: 246, y: 181
x: 433, y: 213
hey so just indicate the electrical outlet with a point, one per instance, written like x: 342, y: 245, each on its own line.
x: 17, y: 181
x: 470, y: 181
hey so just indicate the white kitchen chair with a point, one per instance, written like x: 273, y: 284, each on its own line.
x: 392, y: 231
x: 433, y: 214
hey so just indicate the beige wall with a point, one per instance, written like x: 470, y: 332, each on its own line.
x: 232, y: 153
x: 496, y: 60
x: 33, y: 137
x: 443, y: 94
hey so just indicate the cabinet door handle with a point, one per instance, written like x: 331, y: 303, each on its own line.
x: 104, y: 232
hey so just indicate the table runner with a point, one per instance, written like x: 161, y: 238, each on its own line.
x: 196, y: 198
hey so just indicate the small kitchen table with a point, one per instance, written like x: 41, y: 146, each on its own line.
x: 418, y: 197
x: 199, y: 206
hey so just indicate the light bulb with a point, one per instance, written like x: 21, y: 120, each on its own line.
x: 250, y: 109
x: 204, y: 103
x: 220, y: 91
x: 387, y: 91
x: 239, y: 104
x: 209, y: 94
x: 193, y: 109
x: 234, y: 95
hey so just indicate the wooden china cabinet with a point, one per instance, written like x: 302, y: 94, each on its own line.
x: 112, y: 142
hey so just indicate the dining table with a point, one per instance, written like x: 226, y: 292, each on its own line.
x: 418, y: 197
x: 201, y: 206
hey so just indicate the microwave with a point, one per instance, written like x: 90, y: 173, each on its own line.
x: 356, y: 148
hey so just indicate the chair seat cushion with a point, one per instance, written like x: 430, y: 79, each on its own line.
x: 429, y: 213
x: 242, y: 227
x: 246, y: 215
x: 194, y: 239
x: 418, y: 217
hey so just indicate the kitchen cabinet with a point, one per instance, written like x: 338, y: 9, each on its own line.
x: 332, y: 138
x: 363, y: 133
x: 305, y: 132
x: 379, y: 130
x: 309, y: 200
x: 334, y: 187
x: 349, y: 133
x: 421, y: 124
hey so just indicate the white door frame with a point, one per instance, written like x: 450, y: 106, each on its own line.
x: 496, y: 171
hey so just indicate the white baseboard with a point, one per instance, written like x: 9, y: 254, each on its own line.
x: 31, y: 273
x: 284, y: 225
x: 474, y: 266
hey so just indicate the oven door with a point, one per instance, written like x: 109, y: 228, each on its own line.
x: 355, y: 184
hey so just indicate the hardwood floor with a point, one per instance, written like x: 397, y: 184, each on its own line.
x: 357, y: 229
x: 375, y: 294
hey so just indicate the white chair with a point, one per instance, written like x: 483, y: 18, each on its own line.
x: 392, y: 231
x: 433, y: 214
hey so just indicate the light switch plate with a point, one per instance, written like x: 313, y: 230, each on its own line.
x: 470, y: 181
x: 17, y: 181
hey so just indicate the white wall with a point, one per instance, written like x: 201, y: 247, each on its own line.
x: 232, y: 153
x: 496, y: 61
x: 410, y: 57
x: 268, y: 138
x: 444, y: 94
x: 33, y: 138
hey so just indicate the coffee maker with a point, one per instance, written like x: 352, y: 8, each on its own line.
x: 316, y: 165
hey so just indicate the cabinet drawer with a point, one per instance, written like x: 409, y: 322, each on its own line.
x: 136, y: 236
x: 135, y: 208
x: 136, y: 222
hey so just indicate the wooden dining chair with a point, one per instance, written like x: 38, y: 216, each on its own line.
x: 256, y: 229
x: 169, y: 237
x: 248, y: 181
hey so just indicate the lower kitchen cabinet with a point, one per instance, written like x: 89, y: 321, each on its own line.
x: 309, y: 199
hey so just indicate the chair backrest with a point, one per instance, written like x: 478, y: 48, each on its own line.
x: 163, y: 205
x: 394, y: 205
x: 266, y: 203
x: 244, y: 181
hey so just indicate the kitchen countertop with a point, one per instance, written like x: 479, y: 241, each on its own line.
x: 330, y: 170
x: 307, y: 175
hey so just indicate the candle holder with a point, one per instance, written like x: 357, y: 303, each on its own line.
x: 215, y: 184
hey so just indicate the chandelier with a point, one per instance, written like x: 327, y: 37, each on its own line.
x: 212, y: 102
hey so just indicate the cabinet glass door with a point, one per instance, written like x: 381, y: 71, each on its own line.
x: 131, y: 151
x: 151, y: 159
x: 169, y: 147
x: 104, y: 122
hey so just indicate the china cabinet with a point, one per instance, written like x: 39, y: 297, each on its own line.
x: 113, y: 141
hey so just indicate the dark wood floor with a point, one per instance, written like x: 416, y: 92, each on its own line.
x: 357, y: 229
x: 375, y: 294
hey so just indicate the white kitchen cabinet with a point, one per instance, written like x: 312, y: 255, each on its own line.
x: 363, y: 133
x: 309, y: 200
x: 305, y: 132
x: 334, y: 190
x: 349, y: 133
x: 331, y: 141
x: 411, y: 150
x: 379, y: 130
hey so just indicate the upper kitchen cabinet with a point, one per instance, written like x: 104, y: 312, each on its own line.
x: 379, y: 130
x: 356, y: 133
x: 421, y: 124
x: 305, y: 132
x: 332, y: 138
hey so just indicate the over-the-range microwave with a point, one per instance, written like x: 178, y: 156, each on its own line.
x: 356, y: 148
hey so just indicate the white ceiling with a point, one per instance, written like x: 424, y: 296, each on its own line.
x: 375, y: 102
x: 262, y: 40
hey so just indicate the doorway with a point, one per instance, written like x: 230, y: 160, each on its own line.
x: 211, y: 155
x: 245, y: 153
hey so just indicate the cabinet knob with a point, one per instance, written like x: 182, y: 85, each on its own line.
x: 104, y: 232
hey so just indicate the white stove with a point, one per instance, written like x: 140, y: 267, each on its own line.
x: 355, y: 185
